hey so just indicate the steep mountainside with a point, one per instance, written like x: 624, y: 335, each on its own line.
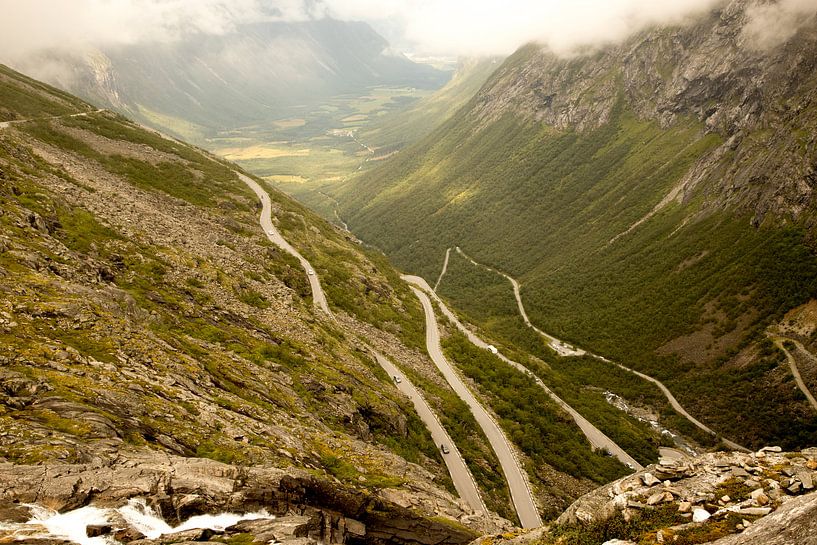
x: 654, y: 199
x: 421, y: 118
x: 144, y: 314
x: 248, y: 76
x: 147, y: 316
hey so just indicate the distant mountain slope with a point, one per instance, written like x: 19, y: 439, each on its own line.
x: 245, y: 77
x: 144, y: 310
x: 655, y: 200
x: 427, y: 114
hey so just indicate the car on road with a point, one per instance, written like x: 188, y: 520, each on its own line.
x: 310, y: 272
x: 444, y: 448
x: 270, y: 232
x: 397, y: 380
x: 492, y: 349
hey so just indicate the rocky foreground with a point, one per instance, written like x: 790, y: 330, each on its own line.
x: 306, y: 509
x: 723, y: 498
x: 726, y: 498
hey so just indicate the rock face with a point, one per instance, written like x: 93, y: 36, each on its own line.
x: 178, y: 488
x: 715, y: 70
x: 794, y: 523
x: 763, y: 491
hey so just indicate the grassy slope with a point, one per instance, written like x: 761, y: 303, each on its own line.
x: 182, y: 310
x: 542, y: 205
x: 415, y: 122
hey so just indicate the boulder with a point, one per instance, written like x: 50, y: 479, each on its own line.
x: 700, y: 515
x: 760, y: 497
x: 267, y: 530
x: 649, y: 479
x: 794, y: 522
x: 96, y: 530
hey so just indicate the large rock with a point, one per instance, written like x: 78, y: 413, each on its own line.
x: 181, y: 487
x: 280, y: 530
x: 794, y: 523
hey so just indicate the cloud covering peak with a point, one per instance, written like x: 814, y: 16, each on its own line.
x: 452, y: 27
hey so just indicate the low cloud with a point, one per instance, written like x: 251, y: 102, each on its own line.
x: 449, y: 27
x: 770, y: 25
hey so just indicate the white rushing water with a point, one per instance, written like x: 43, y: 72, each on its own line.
x: 137, y: 513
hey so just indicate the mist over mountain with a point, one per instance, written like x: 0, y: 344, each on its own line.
x: 562, y: 297
x: 252, y: 74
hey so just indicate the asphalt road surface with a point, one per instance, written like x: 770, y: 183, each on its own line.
x: 795, y: 371
x: 564, y: 349
x: 514, y: 474
x: 460, y: 474
x: 595, y: 436
x: 318, y: 297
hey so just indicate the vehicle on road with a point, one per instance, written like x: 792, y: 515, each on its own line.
x: 444, y: 448
x: 310, y: 272
x: 270, y: 232
x: 492, y: 349
x: 397, y: 380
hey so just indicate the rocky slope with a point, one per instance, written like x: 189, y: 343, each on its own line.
x: 305, y: 509
x: 654, y: 199
x: 145, y: 316
x: 723, y: 498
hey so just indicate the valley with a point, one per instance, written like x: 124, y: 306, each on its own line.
x: 267, y: 279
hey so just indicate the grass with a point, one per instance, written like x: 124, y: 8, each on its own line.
x: 160, y: 311
x: 641, y: 528
x: 543, y: 205
x: 532, y: 421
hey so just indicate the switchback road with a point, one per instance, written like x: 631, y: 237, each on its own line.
x: 794, y: 370
x: 595, y: 436
x: 514, y: 473
x: 463, y: 480
x: 564, y: 349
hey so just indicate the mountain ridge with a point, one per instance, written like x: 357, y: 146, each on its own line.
x: 656, y: 213
x: 249, y: 76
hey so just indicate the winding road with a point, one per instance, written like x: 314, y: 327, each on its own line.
x: 561, y: 347
x: 7, y: 124
x: 595, y: 436
x: 794, y: 370
x: 564, y: 349
x: 461, y: 476
x: 442, y: 272
x: 514, y: 473
x: 463, y: 480
x: 318, y: 296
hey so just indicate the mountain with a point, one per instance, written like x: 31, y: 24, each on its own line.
x: 253, y: 74
x: 422, y: 117
x: 147, y: 321
x: 392, y: 131
x: 655, y: 201
x: 151, y: 331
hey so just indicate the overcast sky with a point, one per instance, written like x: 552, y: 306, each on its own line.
x: 447, y: 27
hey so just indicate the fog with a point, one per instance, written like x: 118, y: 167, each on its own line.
x: 772, y: 24
x: 446, y: 27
